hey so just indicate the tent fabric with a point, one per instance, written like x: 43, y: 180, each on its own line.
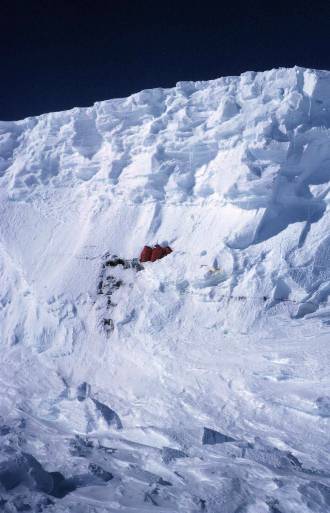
x: 149, y: 254
x: 146, y: 254
x: 157, y: 253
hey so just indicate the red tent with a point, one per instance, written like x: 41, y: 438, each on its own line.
x: 149, y: 254
x: 157, y: 253
x: 146, y: 254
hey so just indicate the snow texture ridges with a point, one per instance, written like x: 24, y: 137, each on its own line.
x: 195, y: 383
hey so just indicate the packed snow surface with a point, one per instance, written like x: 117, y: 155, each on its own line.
x: 196, y: 383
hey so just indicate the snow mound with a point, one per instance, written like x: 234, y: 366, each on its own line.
x: 195, y: 383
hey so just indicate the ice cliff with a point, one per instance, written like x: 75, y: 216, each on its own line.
x: 196, y: 383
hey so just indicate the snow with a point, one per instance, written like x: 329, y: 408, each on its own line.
x: 199, y: 382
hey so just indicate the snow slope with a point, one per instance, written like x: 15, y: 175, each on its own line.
x: 200, y: 382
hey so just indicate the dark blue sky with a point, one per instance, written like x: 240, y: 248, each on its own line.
x: 55, y: 55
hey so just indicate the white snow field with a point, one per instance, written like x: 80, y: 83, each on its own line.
x: 200, y: 382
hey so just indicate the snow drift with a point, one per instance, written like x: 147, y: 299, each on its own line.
x: 195, y: 383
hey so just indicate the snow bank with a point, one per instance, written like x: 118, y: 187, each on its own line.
x: 198, y: 382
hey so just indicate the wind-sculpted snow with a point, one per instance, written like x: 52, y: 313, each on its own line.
x: 199, y: 382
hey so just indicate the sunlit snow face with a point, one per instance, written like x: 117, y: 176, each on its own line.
x: 185, y: 382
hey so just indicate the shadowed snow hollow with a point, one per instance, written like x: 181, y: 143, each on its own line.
x: 195, y: 383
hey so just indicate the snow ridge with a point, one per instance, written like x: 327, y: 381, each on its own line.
x: 195, y: 383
